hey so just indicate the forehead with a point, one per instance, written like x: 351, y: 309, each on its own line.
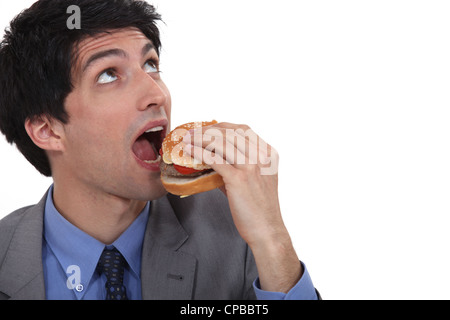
x: 108, y: 40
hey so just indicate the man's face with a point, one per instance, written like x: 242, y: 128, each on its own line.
x: 118, y: 95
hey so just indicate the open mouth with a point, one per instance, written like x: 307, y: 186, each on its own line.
x: 146, y: 147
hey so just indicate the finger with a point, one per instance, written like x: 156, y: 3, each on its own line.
x: 248, y: 141
x: 228, y: 130
x: 240, y: 144
x: 217, y: 163
x: 237, y: 146
x: 238, y: 130
x: 255, y: 148
x: 215, y: 156
x: 219, y: 147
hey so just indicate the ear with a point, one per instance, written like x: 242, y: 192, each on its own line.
x: 45, y: 133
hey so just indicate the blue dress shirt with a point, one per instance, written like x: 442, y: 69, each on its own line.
x: 70, y: 258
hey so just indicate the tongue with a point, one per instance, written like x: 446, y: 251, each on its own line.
x: 145, y: 150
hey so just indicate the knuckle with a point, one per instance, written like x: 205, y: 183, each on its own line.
x: 244, y: 127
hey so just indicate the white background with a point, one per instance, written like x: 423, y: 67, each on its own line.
x: 355, y: 97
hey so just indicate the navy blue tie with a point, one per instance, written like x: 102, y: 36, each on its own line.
x: 112, y: 265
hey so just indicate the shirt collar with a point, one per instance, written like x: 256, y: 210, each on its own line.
x: 130, y: 241
x: 74, y: 247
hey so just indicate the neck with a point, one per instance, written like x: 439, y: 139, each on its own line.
x: 101, y: 215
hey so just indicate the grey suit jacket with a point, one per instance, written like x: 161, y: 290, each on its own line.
x: 191, y: 250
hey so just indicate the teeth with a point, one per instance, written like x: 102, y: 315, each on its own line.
x: 155, y: 129
x: 158, y: 160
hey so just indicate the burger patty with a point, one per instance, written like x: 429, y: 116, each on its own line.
x: 169, y: 170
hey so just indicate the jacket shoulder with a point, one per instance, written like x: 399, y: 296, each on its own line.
x: 8, y: 226
x: 13, y: 218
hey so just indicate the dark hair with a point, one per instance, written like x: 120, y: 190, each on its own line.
x: 37, y: 56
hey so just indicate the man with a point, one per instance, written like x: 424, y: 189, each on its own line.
x: 77, y: 102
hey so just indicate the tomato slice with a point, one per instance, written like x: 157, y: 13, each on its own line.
x: 184, y: 170
x: 181, y: 169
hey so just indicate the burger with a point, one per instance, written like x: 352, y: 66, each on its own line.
x: 180, y: 174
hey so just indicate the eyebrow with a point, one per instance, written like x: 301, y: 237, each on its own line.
x: 114, y: 52
x: 147, y: 48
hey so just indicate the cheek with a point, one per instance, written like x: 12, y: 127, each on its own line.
x: 96, y: 126
x: 94, y: 158
x: 168, y: 104
x: 88, y: 139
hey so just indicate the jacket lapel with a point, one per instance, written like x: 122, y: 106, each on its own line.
x: 21, y: 275
x: 166, y: 272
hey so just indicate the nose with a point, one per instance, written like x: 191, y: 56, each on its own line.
x: 152, y: 92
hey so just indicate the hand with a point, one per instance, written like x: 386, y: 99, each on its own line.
x: 249, y: 168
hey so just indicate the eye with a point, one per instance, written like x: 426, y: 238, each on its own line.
x: 151, y: 66
x: 107, y: 76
